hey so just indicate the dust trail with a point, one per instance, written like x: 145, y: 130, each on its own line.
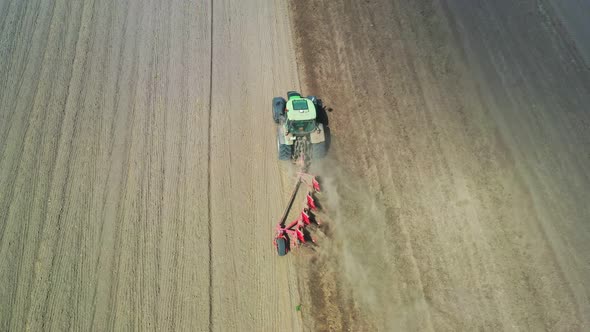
x: 357, y: 227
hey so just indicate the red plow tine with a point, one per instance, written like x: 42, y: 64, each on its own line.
x: 305, y: 217
x: 315, y: 184
x: 311, y: 202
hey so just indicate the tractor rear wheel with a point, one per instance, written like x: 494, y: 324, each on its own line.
x: 281, y: 246
x: 285, y: 151
x: 319, y: 150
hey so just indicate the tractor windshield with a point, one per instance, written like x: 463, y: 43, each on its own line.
x: 300, y: 104
x: 302, y: 127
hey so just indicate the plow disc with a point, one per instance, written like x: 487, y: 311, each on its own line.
x: 292, y: 235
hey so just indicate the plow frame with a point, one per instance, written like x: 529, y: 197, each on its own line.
x: 292, y: 235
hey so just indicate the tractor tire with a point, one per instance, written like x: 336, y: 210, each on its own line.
x: 278, y: 109
x: 316, y: 102
x: 285, y: 151
x: 281, y: 246
x: 319, y: 150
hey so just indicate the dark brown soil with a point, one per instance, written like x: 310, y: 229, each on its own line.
x: 458, y: 174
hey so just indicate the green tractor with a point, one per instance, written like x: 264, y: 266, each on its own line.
x: 300, y: 134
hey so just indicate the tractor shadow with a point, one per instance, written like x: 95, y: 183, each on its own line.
x: 316, y: 201
x: 307, y: 237
x: 322, y: 117
x: 313, y: 219
x: 322, y: 113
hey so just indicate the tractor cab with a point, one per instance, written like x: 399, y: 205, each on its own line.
x: 301, y: 114
x: 299, y: 132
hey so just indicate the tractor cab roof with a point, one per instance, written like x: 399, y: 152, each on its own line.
x: 299, y: 108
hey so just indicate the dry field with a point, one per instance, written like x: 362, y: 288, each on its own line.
x: 138, y: 166
x: 139, y: 183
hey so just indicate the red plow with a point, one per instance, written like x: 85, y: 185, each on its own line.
x: 294, y: 234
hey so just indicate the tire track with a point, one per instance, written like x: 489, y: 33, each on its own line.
x: 22, y: 127
x: 4, y: 9
x: 53, y: 161
x: 117, y: 110
x: 85, y: 172
x: 7, y: 50
x: 115, y: 277
x: 29, y: 221
x: 144, y: 299
x: 209, y: 151
x: 19, y: 74
x: 100, y: 205
x: 66, y: 187
x: 157, y: 146
x: 90, y: 235
x: 26, y: 224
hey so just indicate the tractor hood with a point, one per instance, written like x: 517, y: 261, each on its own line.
x: 300, y: 109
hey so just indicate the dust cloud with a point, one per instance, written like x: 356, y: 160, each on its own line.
x: 355, y: 244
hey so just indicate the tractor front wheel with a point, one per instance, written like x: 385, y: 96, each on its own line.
x: 278, y: 109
